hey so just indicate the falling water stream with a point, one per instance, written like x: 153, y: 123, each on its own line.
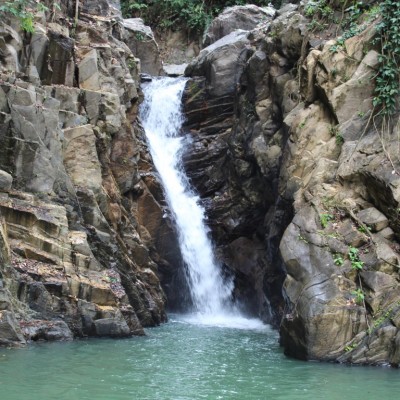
x: 162, y: 120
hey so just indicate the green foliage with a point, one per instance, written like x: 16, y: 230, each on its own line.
x: 24, y: 10
x: 358, y: 16
x: 384, y: 315
x: 359, y: 296
x: 319, y: 8
x: 334, y: 131
x: 354, y: 258
x: 193, y: 15
x: 321, y: 14
x: 338, y: 260
x: 387, y: 88
x: 350, y: 347
x: 364, y: 229
x: 325, y: 218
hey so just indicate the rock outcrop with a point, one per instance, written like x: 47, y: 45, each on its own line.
x: 238, y: 17
x: 300, y: 181
x: 83, y: 238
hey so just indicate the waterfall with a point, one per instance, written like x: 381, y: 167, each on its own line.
x: 162, y: 120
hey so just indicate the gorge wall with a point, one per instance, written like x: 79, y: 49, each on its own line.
x: 83, y: 237
x: 299, y: 178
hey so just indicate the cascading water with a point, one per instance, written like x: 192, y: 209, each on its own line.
x: 162, y: 120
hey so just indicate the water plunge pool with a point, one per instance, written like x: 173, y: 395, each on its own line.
x: 183, y: 361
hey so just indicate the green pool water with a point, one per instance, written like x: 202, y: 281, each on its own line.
x: 182, y: 360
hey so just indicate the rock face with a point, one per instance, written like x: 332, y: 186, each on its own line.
x: 301, y: 190
x: 238, y: 17
x: 140, y: 40
x: 79, y: 198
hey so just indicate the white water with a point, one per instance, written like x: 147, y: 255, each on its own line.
x: 162, y: 121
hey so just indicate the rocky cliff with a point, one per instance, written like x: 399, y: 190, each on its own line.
x: 300, y: 177
x: 83, y: 240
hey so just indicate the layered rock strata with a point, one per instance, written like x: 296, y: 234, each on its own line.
x: 300, y: 180
x: 83, y: 234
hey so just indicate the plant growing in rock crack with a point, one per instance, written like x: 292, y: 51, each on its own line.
x: 359, y: 296
x: 364, y: 229
x: 338, y: 259
x: 350, y: 347
x: 324, y: 219
x: 354, y: 258
x: 24, y: 10
x: 384, y: 315
x: 387, y: 89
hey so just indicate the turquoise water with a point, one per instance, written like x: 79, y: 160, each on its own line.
x: 181, y: 361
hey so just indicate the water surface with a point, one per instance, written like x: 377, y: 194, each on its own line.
x: 183, y: 361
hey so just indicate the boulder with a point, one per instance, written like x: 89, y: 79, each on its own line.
x: 238, y: 17
x: 222, y: 63
x: 111, y: 327
x: 10, y: 332
x: 140, y: 40
x: 46, y: 330
x: 373, y: 218
x: 103, y: 8
x: 174, y: 70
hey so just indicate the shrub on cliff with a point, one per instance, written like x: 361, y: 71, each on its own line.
x: 194, y: 15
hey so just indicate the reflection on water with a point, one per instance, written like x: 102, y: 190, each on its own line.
x: 180, y: 361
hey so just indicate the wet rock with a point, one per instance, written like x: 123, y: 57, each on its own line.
x: 111, y: 327
x: 59, y: 68
x: 10, y: 333
x: 46, y: 330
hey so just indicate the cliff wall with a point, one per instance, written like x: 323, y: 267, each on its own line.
x: 300, y: 177
x: 83, y: 238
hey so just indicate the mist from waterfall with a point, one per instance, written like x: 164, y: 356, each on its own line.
x: 162, y: 120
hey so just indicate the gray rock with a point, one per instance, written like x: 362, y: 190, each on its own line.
x: 373, y: 218
x: 88, y: 71
x: 222, y: 63
x: 239, y: 17
x: 10, y: 333
x: 47, y: 330
x: 174, y: 69
x: 104, y: 8
x: 140, y: 40
x: 111, y: 327
x: 5, y: 181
